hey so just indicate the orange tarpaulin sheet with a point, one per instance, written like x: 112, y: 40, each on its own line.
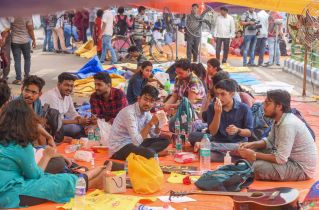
x: 211, y: 202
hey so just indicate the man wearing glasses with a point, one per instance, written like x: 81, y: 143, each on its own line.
x: 289, y: 152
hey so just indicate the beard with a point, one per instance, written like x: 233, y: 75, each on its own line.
x: 271, y: 115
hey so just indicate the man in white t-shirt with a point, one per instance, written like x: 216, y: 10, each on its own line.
x: 106, y: 36
x: 224, y: 31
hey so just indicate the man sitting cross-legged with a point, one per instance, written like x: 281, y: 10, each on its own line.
x: 290, y: 152
x: 133, y: 124
x: 229, y: 121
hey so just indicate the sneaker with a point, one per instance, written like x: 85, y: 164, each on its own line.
x: 16, y: 82
x: 278, y: 64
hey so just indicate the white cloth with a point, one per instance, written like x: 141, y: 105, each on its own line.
x: 56, y: 101
x: 263, y: 18
x: 108, y: 19
x: 225, y: 27
x: 5, y: 23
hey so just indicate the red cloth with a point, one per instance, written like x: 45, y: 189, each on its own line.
x: 97, y: 33
x: 108, y: 109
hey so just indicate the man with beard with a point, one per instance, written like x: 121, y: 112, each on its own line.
x: 289, y: 152
x: 30, y: 92
x: 133, y: 124
x: 229, y: 121
x: 106, y: 101
x: 59, y: 98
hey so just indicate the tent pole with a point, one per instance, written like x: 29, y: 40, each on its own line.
x: 304, y: 86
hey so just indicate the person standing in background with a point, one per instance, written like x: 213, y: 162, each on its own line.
x: 274, y: 32
x: 98, y: 32
x: 224, y: 31
x: 262, y: 36
x: 106, y: 36
x: 22, y: 31
x: 5, y: 46
x: 139, y: 25
x: 58, y: 33
x: 92, y: 18
x: 193, y: 38
x: 249, y: 21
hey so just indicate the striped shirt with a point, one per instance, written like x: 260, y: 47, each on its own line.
x: 127, y: 127
x: 290, y: 139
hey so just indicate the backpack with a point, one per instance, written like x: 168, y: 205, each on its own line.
x: 53, y: 122
x: 186, y: 107
x: 228, y: 178
x: 121, y: 26
x: 297, y: 113
x: 261, y: 124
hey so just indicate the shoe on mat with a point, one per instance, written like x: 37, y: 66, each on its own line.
x: 16, y: 82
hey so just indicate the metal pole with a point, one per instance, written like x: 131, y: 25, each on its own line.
x: 176, y: 53
x: 304, y: 86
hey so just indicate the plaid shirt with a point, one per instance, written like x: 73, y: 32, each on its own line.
x: 108, y: 109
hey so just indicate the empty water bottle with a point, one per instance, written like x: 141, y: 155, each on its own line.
x: 205, y: 154
x: 80, y: 191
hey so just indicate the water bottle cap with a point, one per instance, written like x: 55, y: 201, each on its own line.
x: 205, y: 135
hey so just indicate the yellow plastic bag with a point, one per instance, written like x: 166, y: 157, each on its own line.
x: 145, y: 174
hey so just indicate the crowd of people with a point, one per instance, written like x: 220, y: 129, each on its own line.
x: 222, y: 109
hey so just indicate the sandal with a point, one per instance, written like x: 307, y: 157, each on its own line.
x: 16, y: 82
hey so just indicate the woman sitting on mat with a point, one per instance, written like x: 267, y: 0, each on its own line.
x: 23, y: 182
x: 138, y: 82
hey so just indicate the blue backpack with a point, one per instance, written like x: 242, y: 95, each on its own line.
x: 229, y: 178
x: 298, y: 114
x: 261, y: 124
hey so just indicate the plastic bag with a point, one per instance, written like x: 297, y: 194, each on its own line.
x: 105, y: 130
x: 145, y: 174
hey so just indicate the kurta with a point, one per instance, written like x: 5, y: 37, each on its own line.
x: 20, y: 175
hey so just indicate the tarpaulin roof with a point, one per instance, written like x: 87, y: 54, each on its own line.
x: 29, y: 7
x: 184, y: 6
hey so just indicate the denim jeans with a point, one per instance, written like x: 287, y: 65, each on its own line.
x: 272, y: 58
x: 107, y: 45
x: 48, y: 40
x: 26, y: 52
x: 249, y: 45
x: 225, y: 42
x: 68, y: 33
x: 260, y: 49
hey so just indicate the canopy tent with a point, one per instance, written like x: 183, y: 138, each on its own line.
x: 28, y: 7
x: 182, y: 6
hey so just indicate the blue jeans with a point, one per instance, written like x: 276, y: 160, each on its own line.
x: 68, y: 33
x: 260, y: 49
x: 271, y: 45
x: 48, y: 40
x: 107, y: 45
x: 26, y: 52
x: 249, y: 45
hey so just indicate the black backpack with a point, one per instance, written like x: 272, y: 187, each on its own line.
x: 228, y: 178
x: 121, y: 26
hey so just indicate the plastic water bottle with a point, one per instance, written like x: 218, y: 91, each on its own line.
x: 205, y: 154
x: 80, y: 191
x: 97, y: 135
x: 91, y: 134
x: 178, y: 144
x: 156, y: 158
x: 227, y: 159
x: 177, y: 126
x: 126, y: 166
